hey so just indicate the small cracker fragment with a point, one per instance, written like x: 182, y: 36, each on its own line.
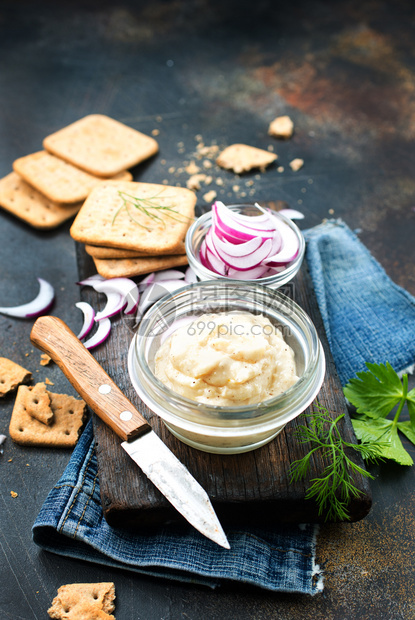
x: 26, y: 203
x: 14, y: 494
x: 84, y: 601
x: 281, y: 127
x: 105, y: 220
x: 45, y: 359
x: 242, y: 158
x: 101, y: 145
x: 129, y: 267
x: 36, y: 401
x: 194, y: 182
x: 11, y: 376
x: 68, y: 415
x: 210, y: 196
x: 58, y: 180
x: 296, y: 164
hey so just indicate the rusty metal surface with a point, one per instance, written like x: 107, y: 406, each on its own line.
x: 214, y: 73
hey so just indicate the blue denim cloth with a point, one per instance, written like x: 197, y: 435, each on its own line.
x: 367, y: 317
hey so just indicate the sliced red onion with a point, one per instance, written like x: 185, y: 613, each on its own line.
x: 115, y: 303
x: 146, y: 281
x: 252, y: 274
x: 217, y: 264
x: 168, y: 274
x: 292, y: 214
x: 189, y: 276
x: 91, y: 280
x: 125, y: 287
x: 249, y: 261
x: 242, y: 249
x: 288, y: 252
x: 39, y: 305
x: 102, y: 333
x: 89, y: 316
x: 234, y: 227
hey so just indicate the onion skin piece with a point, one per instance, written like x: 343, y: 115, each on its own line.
x: 39, y: 305
x: 102, y: 333
x: 89, y: 318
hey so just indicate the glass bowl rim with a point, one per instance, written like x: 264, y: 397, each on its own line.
x: 215, y: 410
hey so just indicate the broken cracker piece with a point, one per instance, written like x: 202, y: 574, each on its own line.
x: 11, y: 376
x: 296, y: 164
x: 82, y: 601
x: 210, y: 196
x: 281, y: 127
x: 68, y: 412
x: 45, y: 359
x: 242, y: 158
x: 37, y: 403
x: 195, y: 180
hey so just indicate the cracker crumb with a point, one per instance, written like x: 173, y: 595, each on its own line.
x: 195, y: 181
x: 45, y: 359
x: 331, y: 211
x: 48, y: 382
x: 192, y: 168
x: 219, y: 181
x: 280, y: 169
x: 281, y: 127
x: 13, y: 494
x: 155, y: 132
x: 236, y: 188
x: 172, y: 169
x: 163, y: 162
x: 296, y: 164
x: 210, y: 196
x: 207, y: 163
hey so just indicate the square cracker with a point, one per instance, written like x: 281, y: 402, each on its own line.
x: 11, y: 376
x: 129, y: 267
x: 26, y: 203
x: 242, y: 158
x: 101, y: 145
x: 57, y: 179
x: 68, y: 414
x: 103, y: 252
x: 105, y: 220
x: 84, y: 601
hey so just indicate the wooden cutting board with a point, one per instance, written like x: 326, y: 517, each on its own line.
x: 247, y: 488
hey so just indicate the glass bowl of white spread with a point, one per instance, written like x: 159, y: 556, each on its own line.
x: 225, y: 339
x: 198, y: 231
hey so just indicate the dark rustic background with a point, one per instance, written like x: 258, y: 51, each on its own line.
x: 217, y: 72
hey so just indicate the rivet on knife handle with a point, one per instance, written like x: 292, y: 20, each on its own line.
x: 53, y: 336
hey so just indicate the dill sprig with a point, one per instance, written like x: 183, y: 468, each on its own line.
x: 149, y: 207
x: 334, y: 489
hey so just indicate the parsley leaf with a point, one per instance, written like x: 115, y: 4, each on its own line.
x: 383, y: 431
x: 375, y: 393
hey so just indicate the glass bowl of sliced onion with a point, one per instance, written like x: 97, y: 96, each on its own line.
x: 245, y: 242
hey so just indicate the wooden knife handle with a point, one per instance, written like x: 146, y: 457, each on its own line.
x: 90, y: 380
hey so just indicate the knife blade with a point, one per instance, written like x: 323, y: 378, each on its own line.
x: 142, y: 444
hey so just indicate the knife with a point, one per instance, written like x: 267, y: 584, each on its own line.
x: 99, y: 391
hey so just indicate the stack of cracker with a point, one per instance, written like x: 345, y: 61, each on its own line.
x: 48, y: 187
x: 131, y: 228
